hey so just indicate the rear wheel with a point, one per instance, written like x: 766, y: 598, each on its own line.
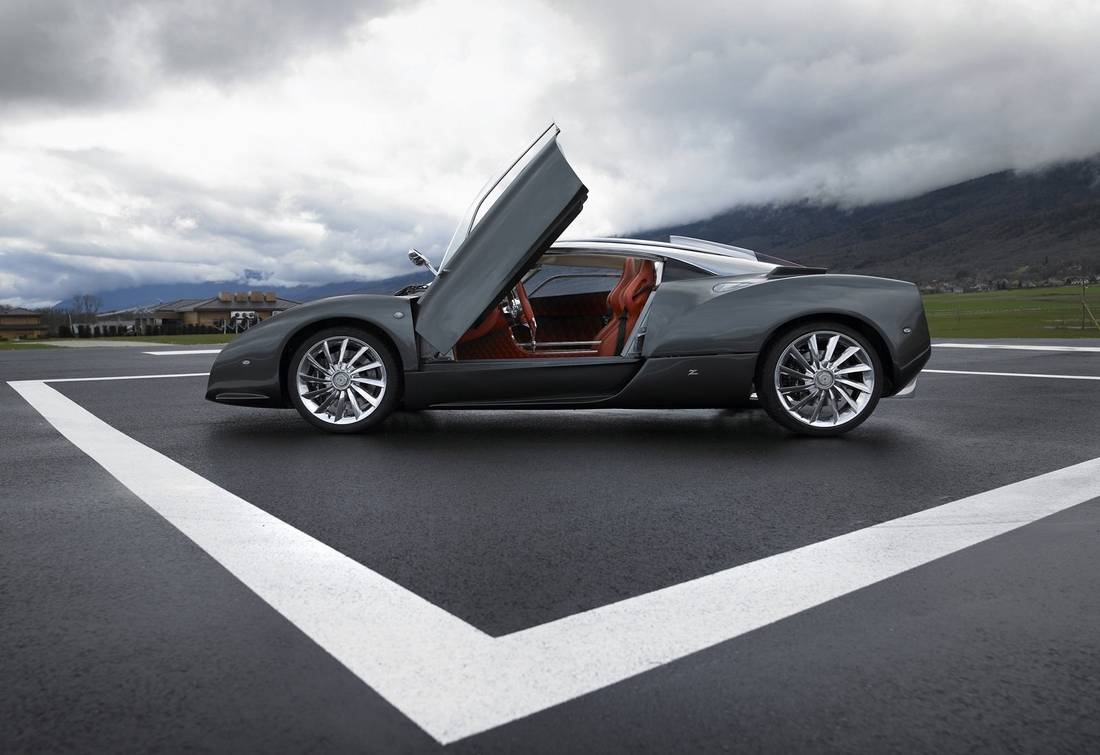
x: 820, y: 378
x: 343, y: 380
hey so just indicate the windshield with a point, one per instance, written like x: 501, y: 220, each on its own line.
x: 495, y: 187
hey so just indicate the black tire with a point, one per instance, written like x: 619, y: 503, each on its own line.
x: 768, y: 392
x: 389, y: 374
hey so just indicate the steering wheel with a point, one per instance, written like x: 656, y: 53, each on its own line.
x: 521, y: 310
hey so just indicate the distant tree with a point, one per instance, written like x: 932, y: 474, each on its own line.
x: 85, y: 306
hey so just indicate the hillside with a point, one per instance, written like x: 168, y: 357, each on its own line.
x: 1017, y: 226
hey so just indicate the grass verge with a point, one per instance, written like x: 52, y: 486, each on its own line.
x: 1017, y: 313
x: 22, y: 345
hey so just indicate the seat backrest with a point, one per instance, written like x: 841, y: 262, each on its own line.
x: 637, y: 291
x: 629, y: 308
x: 614, y: 297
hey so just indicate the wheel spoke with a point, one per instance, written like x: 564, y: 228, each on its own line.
x: 847, y: 399
x: 364, y: 368
x: 793, y: 373
x: 328, y: 354
x: 848, y: 353
x: 313, y: 378
x: 323, y: 406
x: 354, y: 405
x: 803, y: 402
x: 856, y: 368
x: 858, y: 386
x: 812, y: 344
x: 832, y: 405
x: 800, y: 359
x: 369, y: 381
x: 313, y: 395
x: 354, y: 359
x: 795, y: 388
x: 830, y: 348
x: 370, y: 399
x: 343, y: 350
x: 341, y: 404
x: 315, y: 363
x: 817, y: 407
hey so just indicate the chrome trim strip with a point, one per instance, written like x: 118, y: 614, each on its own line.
x: 712, y: 246
x: 563, y: 344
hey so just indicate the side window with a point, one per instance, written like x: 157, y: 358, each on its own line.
x: 560, y: 280
x: 675, y: 270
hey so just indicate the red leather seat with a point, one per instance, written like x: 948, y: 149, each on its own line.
x: 632, y: 299
x: 614, y: 301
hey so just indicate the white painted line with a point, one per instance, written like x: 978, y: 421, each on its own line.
x: 454, y: 680
x: 182, y: 352
x: 1013, y: 374
x: 1014, y: 347
x: 123, y: 377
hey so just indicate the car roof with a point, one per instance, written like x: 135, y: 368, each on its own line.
x: 715, y: 262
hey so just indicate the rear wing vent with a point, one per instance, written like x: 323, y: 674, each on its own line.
x: 789, y: 271
x: 687, y: 242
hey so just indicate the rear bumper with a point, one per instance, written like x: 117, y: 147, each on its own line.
x: 907, y: 391
x: 905, y: 375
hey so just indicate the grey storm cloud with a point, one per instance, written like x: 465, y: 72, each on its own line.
x: 73, y: 52
x: 847, y: 101
x: 340, y: 133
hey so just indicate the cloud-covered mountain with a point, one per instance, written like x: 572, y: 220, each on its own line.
x: 1016, y: 226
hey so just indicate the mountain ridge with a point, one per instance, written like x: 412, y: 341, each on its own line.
x: 156, y: 293
x: 1032, y: 226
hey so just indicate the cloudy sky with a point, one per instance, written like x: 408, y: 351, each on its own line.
x: 311, y: 141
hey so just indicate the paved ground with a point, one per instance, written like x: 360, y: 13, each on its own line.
x: 121, y: 633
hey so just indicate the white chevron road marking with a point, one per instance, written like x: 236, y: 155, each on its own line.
x: 452, y: 679
x: 181, y: 352
x: 1012, y: 374
x: 1016, y: 347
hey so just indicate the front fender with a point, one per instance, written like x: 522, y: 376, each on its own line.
x: 247, y: 371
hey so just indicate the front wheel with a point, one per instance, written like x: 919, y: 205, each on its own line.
x: 343, y: 380
x: 820, y: 379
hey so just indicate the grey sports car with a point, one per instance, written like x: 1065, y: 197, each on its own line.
x: 515, y: 318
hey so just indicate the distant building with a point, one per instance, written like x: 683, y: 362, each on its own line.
x: 21, y: 323
x: 229, y: 311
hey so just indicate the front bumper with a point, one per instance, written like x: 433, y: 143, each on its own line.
x: 246, y: 375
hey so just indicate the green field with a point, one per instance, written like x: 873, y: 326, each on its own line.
x: 22, y: 345
x: 1017, y: 313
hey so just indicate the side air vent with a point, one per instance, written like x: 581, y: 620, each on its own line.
x: 788, y: 271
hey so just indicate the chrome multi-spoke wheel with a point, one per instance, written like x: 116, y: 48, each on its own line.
x: 341, y: 380
x: 823, y: 380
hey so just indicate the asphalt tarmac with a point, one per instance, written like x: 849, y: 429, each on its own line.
x: 123, y: 634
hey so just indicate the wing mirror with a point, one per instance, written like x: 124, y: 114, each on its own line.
x: 420, y: 260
